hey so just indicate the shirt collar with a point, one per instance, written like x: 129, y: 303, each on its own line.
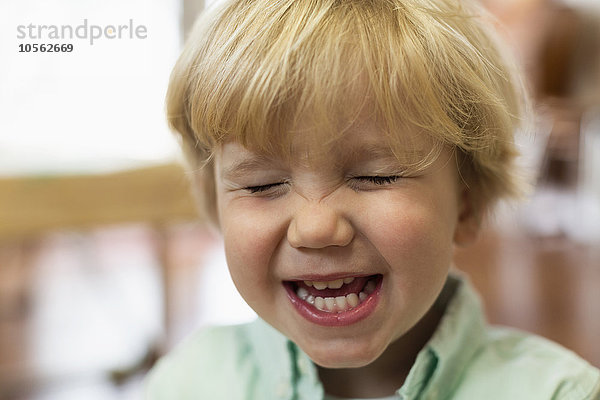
x: 276, y: 362
x: 439, y: 365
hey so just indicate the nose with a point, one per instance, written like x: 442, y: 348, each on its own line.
x: 317, y: 225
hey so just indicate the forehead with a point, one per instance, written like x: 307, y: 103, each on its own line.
x: 360, y: 140
x: 364, y: 139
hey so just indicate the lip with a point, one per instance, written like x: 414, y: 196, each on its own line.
x: 326, y: 278
x: 333, y: 319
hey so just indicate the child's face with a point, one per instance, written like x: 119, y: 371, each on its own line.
x: 323, y: 218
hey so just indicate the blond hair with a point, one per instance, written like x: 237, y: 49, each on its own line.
x: 251, y: 68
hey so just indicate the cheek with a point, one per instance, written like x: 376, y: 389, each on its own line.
x: 414, y: 236
x: 250, y: 239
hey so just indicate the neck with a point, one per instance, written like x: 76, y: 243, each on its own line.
x: 386, y: 374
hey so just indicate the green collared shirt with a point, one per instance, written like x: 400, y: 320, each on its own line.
x: 464, y: 360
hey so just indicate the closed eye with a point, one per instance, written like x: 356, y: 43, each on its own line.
x: 378, y: 180
x: 357, y: 183
x: 372, y: 182
x: 264, y: 188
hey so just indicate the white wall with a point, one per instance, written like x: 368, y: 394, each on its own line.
x: 98, y: 108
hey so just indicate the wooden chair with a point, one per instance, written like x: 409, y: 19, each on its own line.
x: 31, y: 206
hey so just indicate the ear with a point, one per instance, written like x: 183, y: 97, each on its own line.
x: 469, y: 219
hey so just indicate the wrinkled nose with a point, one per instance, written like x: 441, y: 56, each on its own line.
x: 317, y: 225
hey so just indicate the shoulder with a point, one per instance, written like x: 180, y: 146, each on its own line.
x: 215, y: 362
x: 521, y: 365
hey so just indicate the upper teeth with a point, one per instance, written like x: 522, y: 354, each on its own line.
x: 320, y: 285
x: 339, y: 303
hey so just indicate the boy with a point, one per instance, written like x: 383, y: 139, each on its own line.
x: 344, y: 147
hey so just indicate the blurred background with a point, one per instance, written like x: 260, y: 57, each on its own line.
x: 105, y: 265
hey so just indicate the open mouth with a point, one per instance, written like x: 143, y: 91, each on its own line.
x: 337, y: 302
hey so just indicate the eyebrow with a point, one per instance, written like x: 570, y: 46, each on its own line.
x: 246, y: 166
x: 376, y: 151
x: 371, y: 151
x: 257, y: 162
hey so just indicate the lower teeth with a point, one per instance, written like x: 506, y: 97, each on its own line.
x: 337, y: 304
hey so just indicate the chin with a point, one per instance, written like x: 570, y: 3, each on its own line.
x: 342, y: 362
x: 343, y: 356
